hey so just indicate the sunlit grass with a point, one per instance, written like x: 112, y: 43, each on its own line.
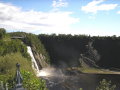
x: 8, y: 63
x: 93, y: 70
x: 6, y: 38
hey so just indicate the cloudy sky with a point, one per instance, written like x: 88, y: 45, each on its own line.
x: 94, y: 17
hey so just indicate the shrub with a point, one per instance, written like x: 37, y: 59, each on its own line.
x: 105, y: 85
x: 2, y: 32
x: 33, y: 83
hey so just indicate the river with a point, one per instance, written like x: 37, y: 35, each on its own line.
x: 77, y: 81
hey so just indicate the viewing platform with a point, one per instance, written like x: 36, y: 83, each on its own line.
x: 16, y: 37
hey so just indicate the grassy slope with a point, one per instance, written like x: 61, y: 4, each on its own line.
x: 8, y: 64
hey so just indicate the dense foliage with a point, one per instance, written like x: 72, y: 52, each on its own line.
x: 33, y: 83
x: 8, y: 65
x: 2, y: 33
x: 105, y: 85
x: 14, y: 51
x: 12, y: 47
x: 33, y: 41
x: 8, y: 70
x: 65, y: 50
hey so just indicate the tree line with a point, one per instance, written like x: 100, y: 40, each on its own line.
x: 66, y: 49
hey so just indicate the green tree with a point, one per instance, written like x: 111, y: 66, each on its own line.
x: 2, y: 32
x: 105, y: 85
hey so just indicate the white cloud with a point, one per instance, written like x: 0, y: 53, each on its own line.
x: 14, y: 18
x: 118, y: 12
x: 95, y: 6
x: 59, y: 3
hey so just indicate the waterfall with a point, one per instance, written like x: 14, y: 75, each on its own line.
x: 38, y: 72
x: 34, y: 63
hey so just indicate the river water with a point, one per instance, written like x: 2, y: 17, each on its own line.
x: 77, y: 81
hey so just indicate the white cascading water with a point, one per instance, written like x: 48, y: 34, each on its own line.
x: 34, y: 63
x: 38, y: 72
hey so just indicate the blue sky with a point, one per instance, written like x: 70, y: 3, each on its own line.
x: 94, y: 17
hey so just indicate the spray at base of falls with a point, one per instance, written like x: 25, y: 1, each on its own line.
x: 43, y: 72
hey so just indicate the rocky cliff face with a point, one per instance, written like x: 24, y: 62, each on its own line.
x: 87, y: 62
x: 40, y: 59
x: 90, y: 58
